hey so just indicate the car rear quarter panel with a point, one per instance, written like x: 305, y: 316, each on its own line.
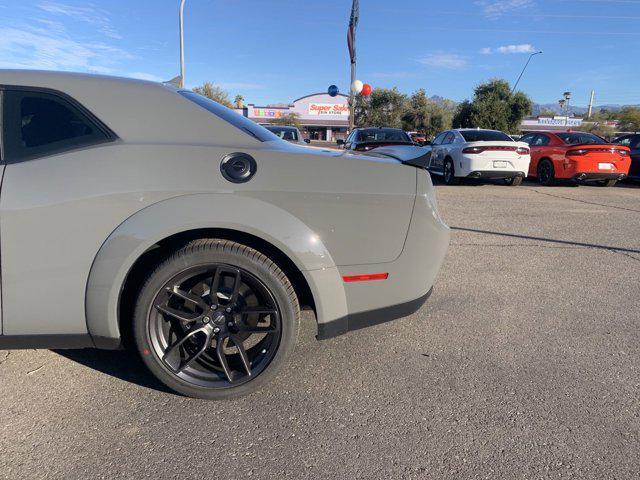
x: 57, y: 212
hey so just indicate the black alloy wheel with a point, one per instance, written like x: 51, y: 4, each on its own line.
x: 545, y: 173
x: 214, y: 318
x: 449, y: 173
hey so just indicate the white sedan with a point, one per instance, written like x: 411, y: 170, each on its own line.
x: 475, y: 153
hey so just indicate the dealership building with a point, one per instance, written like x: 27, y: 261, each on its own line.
x: 322, y: 116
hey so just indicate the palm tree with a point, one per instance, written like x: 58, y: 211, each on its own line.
x: 239, y: 101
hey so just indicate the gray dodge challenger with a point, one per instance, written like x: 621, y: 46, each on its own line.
x: 138, y: 214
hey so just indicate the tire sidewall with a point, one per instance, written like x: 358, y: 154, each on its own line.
x: 550, y: 180
x: 266, y: 272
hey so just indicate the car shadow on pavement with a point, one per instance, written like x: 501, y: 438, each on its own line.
x: 122, y: 364
x: 550, y: 240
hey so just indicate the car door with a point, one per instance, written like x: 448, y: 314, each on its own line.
x: 446, y: 148
x: 436, y: 161
x: 538, y: 147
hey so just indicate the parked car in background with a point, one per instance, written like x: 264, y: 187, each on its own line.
x: 364, y: 139
x: 417, y: 137
x: 633, y: 142
x: 290, y: 134
x: 577, y: 156
x: 132, y: 209
x: 475, y: 153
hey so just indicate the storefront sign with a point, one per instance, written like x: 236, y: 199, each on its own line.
x: 560, y: 121
x: 268, y: 113
x: 318, y: 109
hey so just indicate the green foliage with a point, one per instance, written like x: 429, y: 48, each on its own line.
x: 215, y: 93
x: 425, y: 115
x: 291, y: 120
x: 495, y: 107
x: 629, y: 119
x: 391, y: 108
x: 547, y: 113
x: 383, y: 108
x: 599, y: 128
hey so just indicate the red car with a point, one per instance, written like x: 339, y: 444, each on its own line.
x: 577, y: 156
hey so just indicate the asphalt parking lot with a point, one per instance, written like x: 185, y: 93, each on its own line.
x: 525, y: 363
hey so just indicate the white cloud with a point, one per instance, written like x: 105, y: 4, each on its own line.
x: 506, y: 49
x: 522, y: 48
x: 37, y: 48
x: 497, y: 8
x: 87, y: 14
x: 450, y: 61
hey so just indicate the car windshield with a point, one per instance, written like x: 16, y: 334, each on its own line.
x: 285, y: 133
x: 581, y: 138
x: 231, y: 117
x: 384, y: 135
x: 484, y: 136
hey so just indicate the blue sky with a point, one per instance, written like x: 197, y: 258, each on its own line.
x: 274, y: 51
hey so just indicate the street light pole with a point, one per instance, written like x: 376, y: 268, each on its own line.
x: 525, y: 67
x: 181, y: 17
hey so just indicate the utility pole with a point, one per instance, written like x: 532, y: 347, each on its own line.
x: 181, y: 20
x: 593, y: 95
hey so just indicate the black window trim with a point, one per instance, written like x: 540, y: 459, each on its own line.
x: 109, y: 134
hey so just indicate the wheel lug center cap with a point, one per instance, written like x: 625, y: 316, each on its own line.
x: 219, y: 319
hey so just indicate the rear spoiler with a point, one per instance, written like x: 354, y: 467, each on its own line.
x: 405, y: 156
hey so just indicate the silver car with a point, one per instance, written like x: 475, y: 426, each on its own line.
x: 290, y: 134
x: 135, y: 210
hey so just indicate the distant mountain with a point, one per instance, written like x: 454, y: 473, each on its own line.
x: 576, y: 110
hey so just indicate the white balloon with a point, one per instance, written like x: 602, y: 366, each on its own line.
x: 356, y: 87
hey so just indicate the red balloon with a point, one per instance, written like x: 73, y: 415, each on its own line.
x: 366, y: 90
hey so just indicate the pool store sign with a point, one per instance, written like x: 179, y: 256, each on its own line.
x: 320, y: 109
x: 560, y: 121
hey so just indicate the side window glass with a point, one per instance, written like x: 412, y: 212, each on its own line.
x: 541, y: 141
x: 438, y: 139
x: 449, y: 138
x: 625, y: 141
x: 527, y: 138
x: 37, y: 124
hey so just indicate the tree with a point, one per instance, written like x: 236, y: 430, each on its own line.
x: 425, y: 115
x: 493, y: 106
x: 383, y: 108
x: 239, y: 101
x: 215, y: 93
x: 547, y: 113
x: 599, y: 128
x: 291, y: 119
x: 629, y: 119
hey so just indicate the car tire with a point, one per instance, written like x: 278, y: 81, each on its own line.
x: 513, y: 181
x: 606, y: 183
x: 546, y: 173
x: 176, y: 317
x: 449, y: 173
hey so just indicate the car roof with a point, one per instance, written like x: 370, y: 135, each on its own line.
x: 136, y: 110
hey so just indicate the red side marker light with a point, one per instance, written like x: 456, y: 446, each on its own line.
x: 365, y: 277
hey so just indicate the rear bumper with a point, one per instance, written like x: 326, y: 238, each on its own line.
x: 475, y: 166
x: 496, y: 174
x: 410, y: 279
x: 591, y: 176
x: 356, y: 321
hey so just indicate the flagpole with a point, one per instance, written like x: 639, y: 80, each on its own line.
x: 352, y: 98
x: 351, y: 43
